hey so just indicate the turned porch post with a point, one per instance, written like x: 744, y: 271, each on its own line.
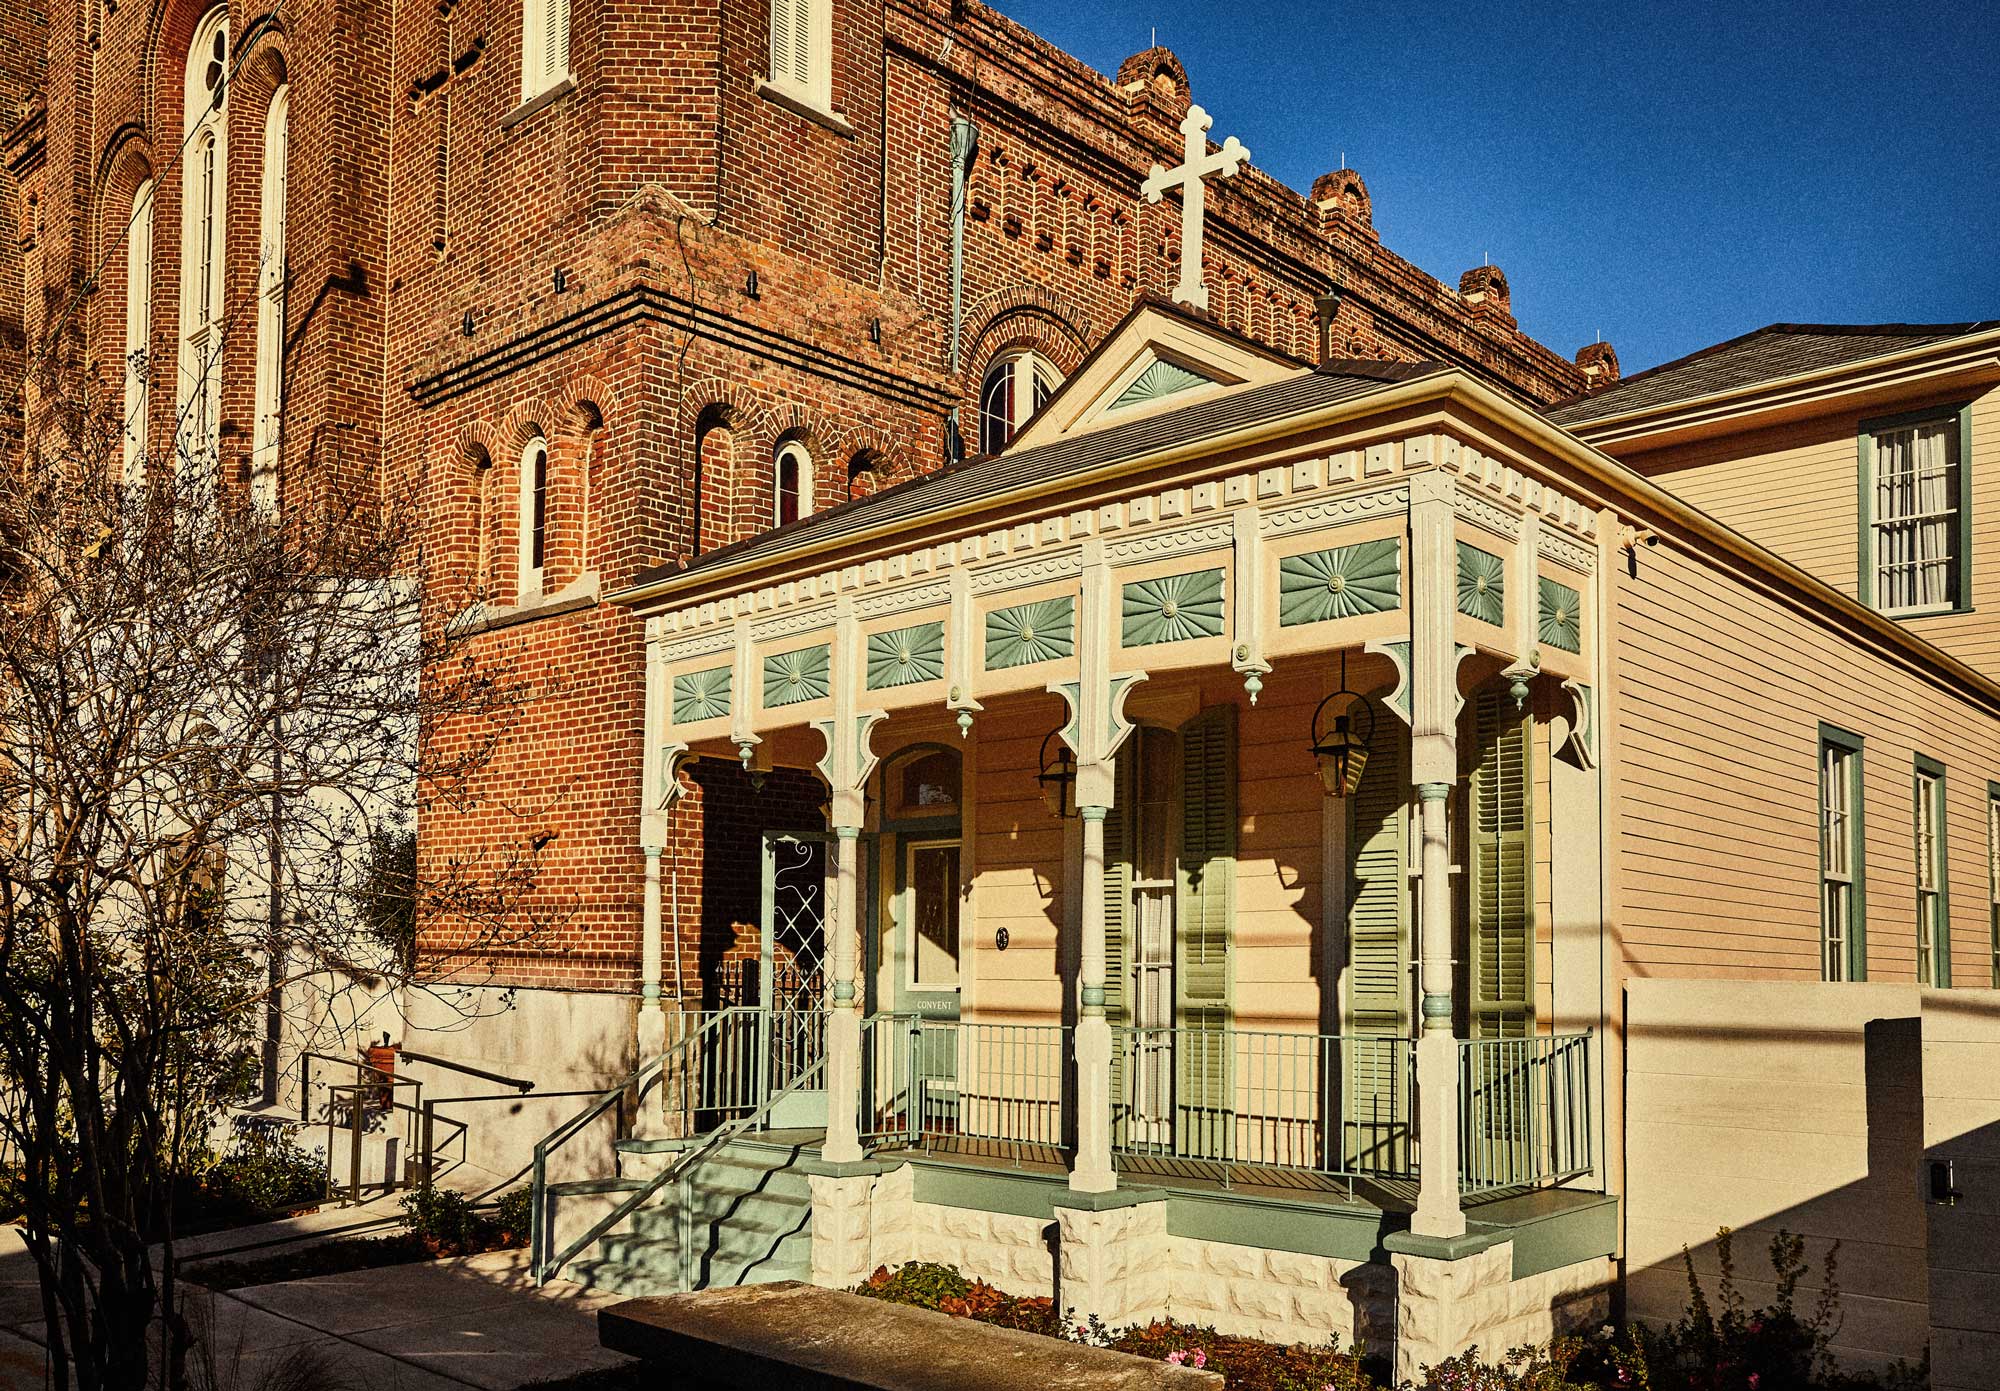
x: 1434, y: 770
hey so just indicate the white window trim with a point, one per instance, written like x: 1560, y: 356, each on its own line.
x: 266, y: 431
x: 544, y: 65
x: 1948, y: 420
x: 1993, y: 879
x: 533, y: 577
x: 1931, y: 869
x: 198, y: 400
x: 1836, y: 819
x: 138, y: 331
x: 791, y: 449
x: 806, y: 78
x: 1024, y: 367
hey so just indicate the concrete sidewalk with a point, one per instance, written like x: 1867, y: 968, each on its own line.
x: 429, y: 1326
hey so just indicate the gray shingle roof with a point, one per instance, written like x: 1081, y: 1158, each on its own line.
x: 994, y: 475
x: 1779, y: 350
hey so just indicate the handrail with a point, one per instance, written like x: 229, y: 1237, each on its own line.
x: 481, y: 1073
x: 613, y: 1096
x: 1526, y: 1114
x: 684, y: 1162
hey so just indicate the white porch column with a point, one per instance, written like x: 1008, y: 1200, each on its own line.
x: 843, y: 1020
x: 1092, y: 1172
x: 845, y: 768
x: 1434, y: 708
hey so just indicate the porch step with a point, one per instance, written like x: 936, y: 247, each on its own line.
x: 750, y: 1217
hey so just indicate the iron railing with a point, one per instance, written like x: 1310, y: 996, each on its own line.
x: 1524, y: 1111
x: 1325, y: 1103
x: 981, y: 1086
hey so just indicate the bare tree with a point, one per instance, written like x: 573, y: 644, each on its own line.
x: 212, y: 716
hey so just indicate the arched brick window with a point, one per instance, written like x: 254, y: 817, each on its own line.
x: 138, y: 330
x: 1014, y: 388
x: 204, y: 207
x: 792, y: 483
x: 265, y: 438
x: 534, y: 518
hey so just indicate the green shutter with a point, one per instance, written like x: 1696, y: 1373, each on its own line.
x: 1378, y: 957
x: 1501, y: 894
x: 1203, y: 926
x: 1117, y: 931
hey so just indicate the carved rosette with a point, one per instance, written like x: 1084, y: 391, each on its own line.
x: 1036, y: 632
x: 791, y: 677
x: 1344, y: 582
x: 1482, y: 584
x: 1172, y: 608
x: 906, y: 656
x: 1561, y: 616
x: 701, y: 695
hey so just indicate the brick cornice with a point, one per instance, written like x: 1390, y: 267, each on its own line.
x: 646, y: 304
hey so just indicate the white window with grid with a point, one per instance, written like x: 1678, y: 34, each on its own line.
x: 1930, y: 875
x: 1916, y: 521
x: 1840, y: 854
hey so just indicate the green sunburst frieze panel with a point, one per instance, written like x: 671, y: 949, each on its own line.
x: 1036, y: 632
x: 791, y: 677
x: 1482, y: 584
x: 905, y: 656
x: 1562, y: 616
x: 701, y: 695
x: 1340, y: 583
x: 1161, y: 378
x: 1173, y: 608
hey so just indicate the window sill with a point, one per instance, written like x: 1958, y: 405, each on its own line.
x: 538, y: 103
x: 574, y: 597
x: 799, y: 104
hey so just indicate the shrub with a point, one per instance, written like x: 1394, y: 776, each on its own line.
x: 442, y: 1219
x: 265, y: 1170
x: 515, y: 1212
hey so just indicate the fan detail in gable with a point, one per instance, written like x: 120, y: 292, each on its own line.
x: 1161, y: 378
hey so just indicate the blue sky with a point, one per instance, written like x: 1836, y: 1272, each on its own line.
x: 1667, y: 175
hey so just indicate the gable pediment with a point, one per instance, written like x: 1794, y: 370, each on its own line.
x: 1156, y: 360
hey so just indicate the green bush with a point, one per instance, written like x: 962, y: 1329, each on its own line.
x: 263, y: 1171
x: 515, y: 1212
x: 443, y: 1218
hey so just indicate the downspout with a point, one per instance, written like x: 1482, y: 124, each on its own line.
x: 964, y: 144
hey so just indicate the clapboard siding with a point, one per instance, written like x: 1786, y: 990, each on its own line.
x: 1794, y: 488
x: 1722, y: 690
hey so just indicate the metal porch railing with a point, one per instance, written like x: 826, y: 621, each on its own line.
x: 983, y: 1087
x: 1525, y: 1111
x: 1329, y: 1104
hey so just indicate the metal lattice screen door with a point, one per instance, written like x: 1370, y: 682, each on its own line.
x: 792, y: 968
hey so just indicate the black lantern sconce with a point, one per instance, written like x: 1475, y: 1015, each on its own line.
x: 1058, y: 776
x: 1343, y: 726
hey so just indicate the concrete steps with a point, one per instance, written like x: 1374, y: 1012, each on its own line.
x: 747, y: 1220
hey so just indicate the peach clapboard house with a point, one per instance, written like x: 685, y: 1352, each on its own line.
x: 1327, y: 851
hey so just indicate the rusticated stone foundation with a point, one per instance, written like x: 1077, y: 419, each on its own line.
x: 1446, y: 1306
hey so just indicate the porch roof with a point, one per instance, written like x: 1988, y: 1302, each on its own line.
x: 995, y: 475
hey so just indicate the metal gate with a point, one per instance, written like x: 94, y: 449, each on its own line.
x: 792, y: 963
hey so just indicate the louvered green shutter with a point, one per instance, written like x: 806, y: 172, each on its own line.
x: 1378, y: 958
x: 1117, y: 937
x: 1502, y: 902
x: 1203, y: 925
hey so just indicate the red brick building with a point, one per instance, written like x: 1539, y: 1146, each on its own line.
x: 612, y: 286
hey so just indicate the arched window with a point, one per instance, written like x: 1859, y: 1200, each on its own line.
x: 266, y: 438
x: 138, y: 329
x: 534, y: 542
x: 793, y: 485
x: 544, y: 45
x: 864, y: 475
x: 1016, y: 385
x: 204, y: 188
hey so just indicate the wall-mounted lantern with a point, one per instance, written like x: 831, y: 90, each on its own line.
x: 1058, y: 775
x: 1343, y: 726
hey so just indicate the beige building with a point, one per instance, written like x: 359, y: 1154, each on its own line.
x: 1319, y: 851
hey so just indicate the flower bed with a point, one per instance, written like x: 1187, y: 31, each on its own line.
x: 438, y: 1224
